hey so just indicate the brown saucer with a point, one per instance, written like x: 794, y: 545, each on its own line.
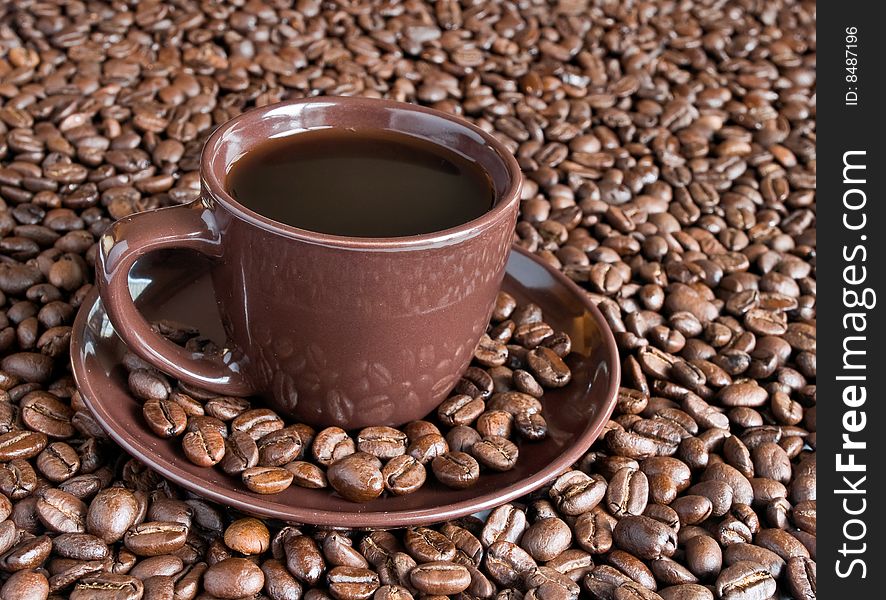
x: 179, y: 288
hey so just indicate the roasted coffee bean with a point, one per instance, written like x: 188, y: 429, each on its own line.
x: 165, y: 565
x: 440, y: 578
x: 686, y: 591
x: 633, y: 591
x: 191, y: 407
x: 481, y: 586
x: 188, y: 579
x: 21, y: 444
x: 531, y: 335
x: 278, y: 447
x: 504, y: 306
x: 468, y: 548
x: 772, y: 462
x: 670, y: 572
x: 718, y: 493
x: 29, y: 553
x: 155, y: 538
x: 502, y: 379
x: 356, y: 478
x: 732, y: 531
x: 80, y: 546
x: 45, y: 413
x: 515, y: 403
x: 266, y: 480
x: 635, y: 445
x: 506, y: 563
x: 241, y: 453
x: 745, y: 580
x: 383, y: 442
x: 603, y: 580
x: 108, y: 586
x: 207, y: 423
x: 147, y: 384
x: 379, y: 546
x: 25, y: 517
x: 279, y: 583
x: 61, y: 512
x: 111, y: 513
x: 692, y: 509
x: 801, y: 578
x: 548, y: 367
x: 456, y: 470
x: 247, y: 536
x: 303, y: 558
x: 83, y: 486
x: 338, y: 550
x: 396, y: 569
x: 742, y: 493
x: 504, y: 523
x: 576, y: 493
x: 158, y: 586
x: 627, y: 493
x: 233, y: 578
x: 418, y: 429
x: 496, y: 453
x: 524, y: 382
x: 527, y: 313
x: 58, y: 462
x: 546, y: 539
x: 495, y: 423
x: 257, y: 422
x: 781, y: 542
x: 742, y: 393
x: 307, y: 475
x: 332, y: 444
x: 490, y: 353
x: 735, y: 553
x: 548, y: 582
x: 644, y: 537
x: 593, y: 532
x: 427, y: 447
x: 164, y: 417
x: 392, y: 592
x: 403, y: 475
x: 531, y: 426
x: 428, y: 545
x: 476, y: 380
x: 460, y: 409
x: 6, y: 507
x: 704, y: 558
x: 631, y: 401
x: 804, y: 516
x: 204, y: 445
x: 26, y: 584
x: 226, y: 408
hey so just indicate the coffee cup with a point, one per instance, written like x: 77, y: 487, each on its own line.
x: 330, y: 330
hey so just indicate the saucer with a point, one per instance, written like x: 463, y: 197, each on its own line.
x: 176, y: 285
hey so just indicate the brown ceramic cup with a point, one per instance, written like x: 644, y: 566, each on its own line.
x: 331, y: 330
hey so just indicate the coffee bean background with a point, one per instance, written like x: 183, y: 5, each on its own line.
x: 669, y: 154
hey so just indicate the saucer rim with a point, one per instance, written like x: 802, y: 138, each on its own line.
x: 356, y: 519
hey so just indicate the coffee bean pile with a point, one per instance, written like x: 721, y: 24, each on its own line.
x: 669, y: 154
x: 498, y: 396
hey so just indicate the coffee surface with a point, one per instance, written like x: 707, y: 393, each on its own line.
x: 377, y: 184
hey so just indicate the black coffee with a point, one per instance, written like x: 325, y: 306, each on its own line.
x: 358, y: 184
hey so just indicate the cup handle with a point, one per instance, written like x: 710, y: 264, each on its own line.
x: 190, y: 227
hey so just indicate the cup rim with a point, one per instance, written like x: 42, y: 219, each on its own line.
x: 213, y: 181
